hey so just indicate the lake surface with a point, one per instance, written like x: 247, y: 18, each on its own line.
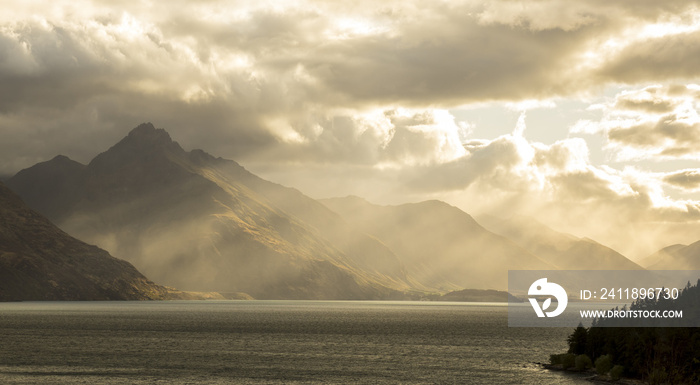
x: 272, y: 342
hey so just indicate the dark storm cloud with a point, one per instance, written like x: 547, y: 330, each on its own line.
x: 45, y: 66
x: 271, y: 80
x: 659, y: 59
x: 494, y: 62
x: 78, y: 91
x: 568, y: 15
x: 443, y: 55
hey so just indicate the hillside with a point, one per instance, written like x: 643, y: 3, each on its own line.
x: 472, y: 295
x: 196, y: 222
x: 564, y: 251
x: 40, y: 262
x: 675, y: 257
x: 441, y: 245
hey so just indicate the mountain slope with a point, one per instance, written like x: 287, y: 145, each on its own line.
x: 188, y: 220
x: 661, y: 255
x: 366, y: 252
x: 564, y: 251
x: 60, y: 176
x: 676, y: 257
x: 40, y: 262
x: 441, y: 245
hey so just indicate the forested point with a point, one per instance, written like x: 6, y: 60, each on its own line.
x: 656, y: 355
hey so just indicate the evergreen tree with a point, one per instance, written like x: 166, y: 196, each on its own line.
x: 655, y: 354
x: 577, y: 341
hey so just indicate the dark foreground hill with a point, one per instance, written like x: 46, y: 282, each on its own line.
x: 39, y: 262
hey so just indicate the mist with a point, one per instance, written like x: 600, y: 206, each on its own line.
x: 394, y: 102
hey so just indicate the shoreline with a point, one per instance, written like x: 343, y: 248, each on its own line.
x: 594, y: 376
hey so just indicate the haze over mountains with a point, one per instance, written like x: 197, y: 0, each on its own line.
x: 38, y: 261
x: 196, y: 222
x: 563, y: 251
x: 675, y: 257
x: 441, y: 245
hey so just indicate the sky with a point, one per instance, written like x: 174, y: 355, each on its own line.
x: 583, y: 115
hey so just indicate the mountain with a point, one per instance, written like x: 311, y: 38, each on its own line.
x: 675, y: 257
x: 665, y: 254
x: 58, y: 176
x: 472, y: 295
x: 196, y: 222
x: 38, y: 261
x: 441, y: 245
x: 564, y: 251
x: 363, y: 251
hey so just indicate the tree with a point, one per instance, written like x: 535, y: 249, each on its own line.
x: 578, y: 340
x: 603, y: 364
x: 655, y: 354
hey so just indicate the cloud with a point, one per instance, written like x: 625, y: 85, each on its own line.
x: 670, y: 136
x: 656, y: 122
x: 650, y: 99
x: 460, y: 61
x: 685, y: 179
x: 326, y: 89
x: 254, y: 80
x: 512, y: 174
x: 396, y: 137
x: 666, y: 58
x: 559, y: 184
x: 539, y: 15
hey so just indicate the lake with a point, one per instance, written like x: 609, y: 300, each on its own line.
x: 272, y: 342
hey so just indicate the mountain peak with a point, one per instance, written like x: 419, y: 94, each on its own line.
x: 56, y: 175
x: 60, y: 158
x: 143, y: 142
x: 147, y: 132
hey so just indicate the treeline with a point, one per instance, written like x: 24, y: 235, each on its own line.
x: 657, y: 355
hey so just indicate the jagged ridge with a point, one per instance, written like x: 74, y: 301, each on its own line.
x: 197, y: 222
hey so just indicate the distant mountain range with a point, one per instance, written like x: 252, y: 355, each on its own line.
x: 39, y: 262
x: 196, y: 222
x: 441, y: 245
x: 474, y: 295
x: 563, y: 251
x: 675, y: 257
